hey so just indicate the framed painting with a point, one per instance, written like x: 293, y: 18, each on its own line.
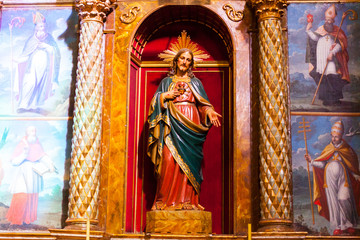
x: 326, y: 176
x: 33, y: 155
x: 324, y: 58
x: 39, y: 49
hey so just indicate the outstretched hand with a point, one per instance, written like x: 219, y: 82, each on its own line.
x: 214, y: 118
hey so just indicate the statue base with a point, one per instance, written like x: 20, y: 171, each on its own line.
x: 179, y: 222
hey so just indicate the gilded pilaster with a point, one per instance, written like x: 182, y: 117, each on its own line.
x: 275, y: 148
x: 86, y: 142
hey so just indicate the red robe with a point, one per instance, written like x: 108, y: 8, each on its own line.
x: 174, y: 189
x: 23, y: 206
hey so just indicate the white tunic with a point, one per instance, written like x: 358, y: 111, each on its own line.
x: 28, y: 175
x: 339, y: 194
x: 323, y: 49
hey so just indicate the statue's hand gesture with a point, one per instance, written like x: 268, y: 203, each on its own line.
x: 214, y: 118
x: 172, y: 94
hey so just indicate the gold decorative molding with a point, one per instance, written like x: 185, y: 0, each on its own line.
x: 66, y: 234
x: 155, y: 64
x: 269, y: 8
x: 93, y: 9
x: 179, y: 222
x: 344, y: 114
x: 233, y: 15
x: 131, y: 15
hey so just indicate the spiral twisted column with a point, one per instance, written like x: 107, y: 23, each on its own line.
x: 275, y: 148
x: 86, y: 141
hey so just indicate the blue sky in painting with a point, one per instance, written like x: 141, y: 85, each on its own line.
x: 319, y: 136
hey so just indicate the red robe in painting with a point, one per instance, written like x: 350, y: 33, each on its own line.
x: 26, y: 184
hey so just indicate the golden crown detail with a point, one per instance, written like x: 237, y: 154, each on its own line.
x: 183, y: 41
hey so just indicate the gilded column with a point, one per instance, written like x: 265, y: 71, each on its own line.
x: 86, y: 141
x: 275, y: 148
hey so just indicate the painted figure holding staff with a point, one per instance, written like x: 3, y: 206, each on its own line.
x: 306, y: 128
x: 37, y: 69
x: 328, y: 58
x: 336, y: 183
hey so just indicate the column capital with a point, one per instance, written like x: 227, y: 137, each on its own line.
x: 95, y: 10
x: 269, y: 8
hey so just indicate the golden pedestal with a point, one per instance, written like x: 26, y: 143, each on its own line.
x: 179, y: 222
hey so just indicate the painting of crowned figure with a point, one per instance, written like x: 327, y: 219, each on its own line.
x: 38, y: 49
x: 324, y: 58
x: 326, y: 174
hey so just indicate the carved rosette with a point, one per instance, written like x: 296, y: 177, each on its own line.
x: 86, y: 141
x: 275, y: 149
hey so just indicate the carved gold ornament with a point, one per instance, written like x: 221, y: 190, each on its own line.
x: 94, y: 9
x: 131, y: 15
x: 235, y: 16
x: 183, y: 41
x: 269, y: 8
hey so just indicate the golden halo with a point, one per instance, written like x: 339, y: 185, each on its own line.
x: 183, y: 41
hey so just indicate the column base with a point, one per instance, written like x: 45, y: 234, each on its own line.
x: 179, y: 222
x: 81, y: 224
x: 277, y: 226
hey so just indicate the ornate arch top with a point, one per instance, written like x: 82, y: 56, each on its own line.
x: 171, y: 21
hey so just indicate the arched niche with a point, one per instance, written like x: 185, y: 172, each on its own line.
x: 153, y: 36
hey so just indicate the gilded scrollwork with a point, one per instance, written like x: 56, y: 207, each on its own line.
x: 232, y: 14
x: 131, y: 15
x: 93, y: 9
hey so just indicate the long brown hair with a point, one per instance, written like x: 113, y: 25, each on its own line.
x: 174, y: 63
